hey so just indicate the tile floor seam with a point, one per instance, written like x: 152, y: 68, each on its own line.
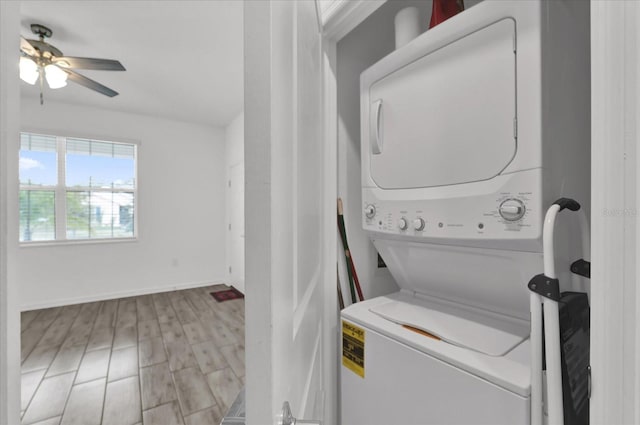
x: 44, y: 377
x: 173, y: 379
x: 73, y: 384
x: 66, y: 333
x: 75, y: 375
x: 93, y: 328
x: 33, y: 395
x: 115, y: 380
x: 34, y: 345
x: 54, y: 416
x: 140, y: 383
x: 215, y: 404
x: 104, y: 401
x: 45, y: 419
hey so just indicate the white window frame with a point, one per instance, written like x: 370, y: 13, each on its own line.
x: 61, y: 190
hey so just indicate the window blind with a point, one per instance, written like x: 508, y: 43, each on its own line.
x: 99, y: 148
x: 37, y: 215
x: 37, y: 142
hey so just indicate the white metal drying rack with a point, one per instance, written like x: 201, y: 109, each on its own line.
x: 545, y: 294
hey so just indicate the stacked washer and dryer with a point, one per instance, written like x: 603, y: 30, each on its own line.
x: 469, y: 133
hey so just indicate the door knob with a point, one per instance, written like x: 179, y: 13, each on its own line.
x: 288, y: 419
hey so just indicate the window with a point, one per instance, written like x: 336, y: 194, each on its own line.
x: 76, y: 189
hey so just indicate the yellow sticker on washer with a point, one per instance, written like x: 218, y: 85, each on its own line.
x: 353, y: 348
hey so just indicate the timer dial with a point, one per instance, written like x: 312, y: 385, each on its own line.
x: 512, y: 209
x: 370, y: 211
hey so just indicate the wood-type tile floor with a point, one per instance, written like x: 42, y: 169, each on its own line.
x: 174, y: 358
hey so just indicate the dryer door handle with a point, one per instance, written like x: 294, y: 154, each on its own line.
x: 375, y: 127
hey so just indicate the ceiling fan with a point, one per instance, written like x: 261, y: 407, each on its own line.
x: 41, y: 60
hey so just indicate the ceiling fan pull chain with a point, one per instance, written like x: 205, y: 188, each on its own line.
x: 41, y: 72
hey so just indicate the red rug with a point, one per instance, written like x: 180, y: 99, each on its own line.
x: 226, y: 295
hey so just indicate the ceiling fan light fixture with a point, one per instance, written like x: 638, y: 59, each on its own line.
x: 42, y: 60
x: 56, y: 78
x: 28, y: 71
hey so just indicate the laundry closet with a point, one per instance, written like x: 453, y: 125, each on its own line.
x: 451, y: 149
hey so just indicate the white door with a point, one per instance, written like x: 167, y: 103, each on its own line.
x: 236, y: 226
x: 291, y: 311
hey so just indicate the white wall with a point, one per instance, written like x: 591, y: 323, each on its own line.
x: 234, y: 156
x: 180, y: 212
x: 234, y: 141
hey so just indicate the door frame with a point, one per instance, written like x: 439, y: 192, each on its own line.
x: 339, y: 19
x: 261, y: 182
x: 615, y: 235
x: 9, y: 290
x: 230, y: 222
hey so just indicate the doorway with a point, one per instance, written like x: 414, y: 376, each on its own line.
x: 236, y: 226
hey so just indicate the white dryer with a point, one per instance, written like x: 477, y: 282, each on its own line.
x: 469, y: 133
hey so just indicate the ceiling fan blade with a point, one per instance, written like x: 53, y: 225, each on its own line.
x: 26, y: 47
x: 88, y: 63
x: 90, y: 84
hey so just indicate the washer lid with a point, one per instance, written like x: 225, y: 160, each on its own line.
x: 448, y: 117
x: 464, y: 327
x: 510, y: 371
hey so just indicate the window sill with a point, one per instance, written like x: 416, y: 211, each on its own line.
x: 67, y: 242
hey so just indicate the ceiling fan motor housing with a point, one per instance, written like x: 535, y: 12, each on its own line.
x: 44, y: 49
x: 41, y: 31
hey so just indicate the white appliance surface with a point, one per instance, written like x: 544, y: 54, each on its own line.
x: 483, y: 67
x: 411, y: 379
x: 472, y: 82
x: 451, y: 135
x: 487, y: 279
x: 464, y: 214
x: 509, y: 371
x: 487, y: 334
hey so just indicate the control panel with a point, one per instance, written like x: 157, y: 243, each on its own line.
x: 504, y: 215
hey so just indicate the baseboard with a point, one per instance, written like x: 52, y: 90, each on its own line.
x: 119, y: 294
x: 236, y: 284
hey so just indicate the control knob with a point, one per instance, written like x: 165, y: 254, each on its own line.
x: 402, y: 224
x: 370, y: 211
x: 512, y: 209
x: 418, y: 224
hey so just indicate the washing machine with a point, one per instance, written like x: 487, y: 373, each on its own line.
x: 468, y: 134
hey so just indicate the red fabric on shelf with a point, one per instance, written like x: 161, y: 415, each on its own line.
x: 443, y: 10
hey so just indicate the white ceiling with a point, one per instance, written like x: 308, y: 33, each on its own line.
x: 184, y: 59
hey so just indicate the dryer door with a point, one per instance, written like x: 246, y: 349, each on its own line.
x: 448, y: 117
